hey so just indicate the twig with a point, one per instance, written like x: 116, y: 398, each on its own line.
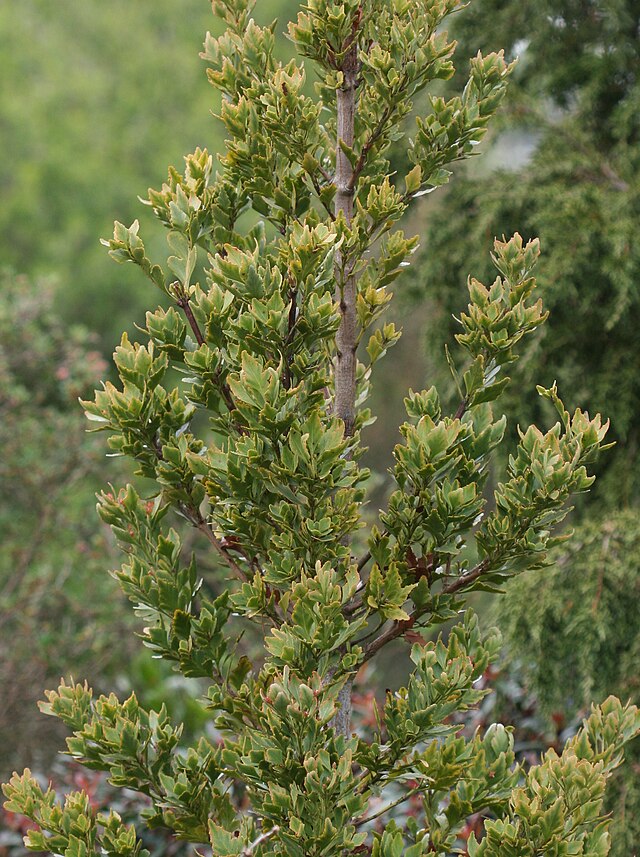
x: 182, y: 300
x: 325, y: 174
x: 393, y: 631
x: 225, y: 390
x: 291, y: 324
x: 192, y: 320
x: 462, y: 407
x: 398, y: 628
x: 368, y: 145
x: 364, y: 560
x: 200, y: 524
x: 465, y: 579
x: 248, y: 851
x: 192, y: 513
x: 386, y: 808
x: 350, y: 609
x: 318, y: 190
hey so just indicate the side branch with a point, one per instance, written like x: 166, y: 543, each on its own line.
x: 388, y: 807
x: 397, y: 628
x: 200, y: 524
x: 368, y: 145
x: 466, y: 579
x: 462, y: 408
x: 291, y: 326
x: 182, y: 300
x: 192, y: 514
x: 318, y: 191
x: 249, y: 850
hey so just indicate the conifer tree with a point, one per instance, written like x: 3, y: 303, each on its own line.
x: 257, y: 449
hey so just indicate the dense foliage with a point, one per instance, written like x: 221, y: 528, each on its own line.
x: 245, y: 409
x: 576, y: 93
x: 65, y: 776
x: 60, y: 612
x: 575, y: 636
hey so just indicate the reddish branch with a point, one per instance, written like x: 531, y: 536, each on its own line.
x: 192, y: 514
x: 369, y: 143
x: 462, y: 407
x: 398, y: 628
x: 200, y: 524
x: 466, y: 579
x: 291, y: 326
x: 182, y: 300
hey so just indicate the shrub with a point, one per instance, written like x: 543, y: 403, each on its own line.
x: 257, y: 449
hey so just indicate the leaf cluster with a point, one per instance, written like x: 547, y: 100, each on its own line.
x: 229, y: 408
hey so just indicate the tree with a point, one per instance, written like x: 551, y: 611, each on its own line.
x: 575, y: 94
x: 257, y: 449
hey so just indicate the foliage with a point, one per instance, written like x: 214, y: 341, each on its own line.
x: 577, y: 637
x: 58, y: 609
x: 59, y: 612
x: 69, y: 776
x: 257, y: 449
x: 78, y: 147
x: 576, y: 94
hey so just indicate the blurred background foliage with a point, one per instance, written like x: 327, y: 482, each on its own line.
x: 57, y: 604
x: 97, y: 99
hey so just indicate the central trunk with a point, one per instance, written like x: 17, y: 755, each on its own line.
x: 346, y: 339
x: 347, y: 336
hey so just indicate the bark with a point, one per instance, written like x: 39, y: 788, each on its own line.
x: 347, y: 336
x: 346, y: 339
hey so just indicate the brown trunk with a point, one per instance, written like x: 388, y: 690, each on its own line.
x: 347, y: 336
x: 346, y: 339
